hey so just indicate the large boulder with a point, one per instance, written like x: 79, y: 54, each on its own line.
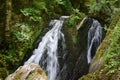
x: 29, y: 71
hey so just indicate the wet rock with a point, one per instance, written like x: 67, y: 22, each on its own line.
x: 81, y: 65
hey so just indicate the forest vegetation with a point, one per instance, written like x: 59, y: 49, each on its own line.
x: 23, y: 21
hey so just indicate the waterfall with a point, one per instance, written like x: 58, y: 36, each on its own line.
x: 94, y: 39
x: 46, y: 55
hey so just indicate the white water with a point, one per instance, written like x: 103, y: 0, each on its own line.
x: 94, y: 36
x: 48, y: 46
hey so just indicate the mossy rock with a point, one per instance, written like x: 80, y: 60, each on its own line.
x: 91, y: 76
x: 29, y: 71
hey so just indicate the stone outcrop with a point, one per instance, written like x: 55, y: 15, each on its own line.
x: 29, y: 71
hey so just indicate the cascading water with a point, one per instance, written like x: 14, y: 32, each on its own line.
x: 46, y: 53
x: 52, y: 55
x: 94, y: 39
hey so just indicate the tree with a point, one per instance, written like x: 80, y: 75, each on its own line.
x: 8, y: 18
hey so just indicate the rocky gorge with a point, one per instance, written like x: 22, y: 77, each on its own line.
x: 84, y: 46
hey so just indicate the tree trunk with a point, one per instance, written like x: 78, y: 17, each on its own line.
x: 8, y: 18
x: 97, y: 1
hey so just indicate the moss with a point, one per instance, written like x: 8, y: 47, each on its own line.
x: 3, y: 73
x: 91, y: 76
x: 70, y: 31
x: 34, y: 74
x: 71, y: 39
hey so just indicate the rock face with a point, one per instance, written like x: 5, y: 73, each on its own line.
x: 79, y: 70
x: 75, y: 63
x: 29, y: 71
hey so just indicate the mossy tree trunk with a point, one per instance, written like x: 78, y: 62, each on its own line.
x: 97, y: 1
x: 8, y: 18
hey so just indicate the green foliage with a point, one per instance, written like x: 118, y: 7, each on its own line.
x: 74, y: 39
x: 112, y: 54
x: 67, y: 5
x: 100, y: 7
x: 40, y: 5
x: 73, y: 20
x: 22, y: 38
x: 114, y: 37
x: 28, y: 19
x: 78, y: 13
x: 60, y: 2
x: 32, y: 14
x: 104, y: 9
x: 22, y: 33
